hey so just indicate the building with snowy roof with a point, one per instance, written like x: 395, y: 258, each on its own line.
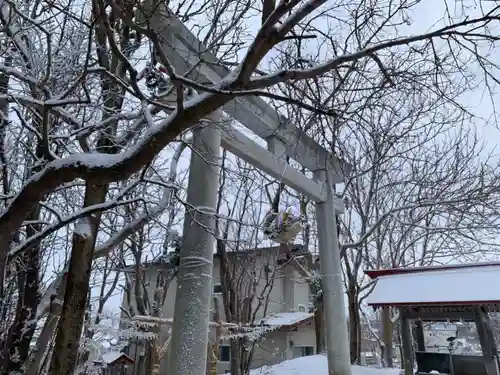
x: 281, y: 307
x: 448, y: 293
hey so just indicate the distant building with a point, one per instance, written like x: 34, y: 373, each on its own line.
x: 287, y: 308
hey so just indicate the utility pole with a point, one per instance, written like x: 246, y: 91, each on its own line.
x: 188, y: 349
x: 337, y: 347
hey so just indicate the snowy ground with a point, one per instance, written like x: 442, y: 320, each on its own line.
x: 317, y: 365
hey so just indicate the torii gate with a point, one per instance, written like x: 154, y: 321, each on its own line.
x: 184, y: 52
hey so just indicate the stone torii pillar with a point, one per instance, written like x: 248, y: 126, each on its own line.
x: 188, y: 352
x: 337, y: 338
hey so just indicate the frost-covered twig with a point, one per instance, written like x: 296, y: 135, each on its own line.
x: 302, y: 74
x: 166, y: 203
x: 87, y: 211
x: 384, y: 216
x: 170, y: 321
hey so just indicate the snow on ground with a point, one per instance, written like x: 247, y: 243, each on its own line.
x: 317, y: 365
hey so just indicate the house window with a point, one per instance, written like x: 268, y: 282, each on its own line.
x: 224, y: 353
x: 302, y: 351
x: 217, y: 289
x: 302, y: 308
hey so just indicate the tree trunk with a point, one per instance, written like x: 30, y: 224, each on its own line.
x: 65, y: 353
x: 45, y: 337
x: 319, y: 327
x: 20, y: 333
x: 214, y: 347
x: 354, y: 326
x: 22, y: 329
x: 4, y: 123
x: 16, y: 349
x: 236, y: 362
x: 418, y: 335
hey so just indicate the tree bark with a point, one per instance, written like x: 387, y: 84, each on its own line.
x: 354, y: 326
x: 20, y: 333
x: 319, y: 327
x: 229, y: 301
x: 418, y: 335
x: 65, y: 353
x: 4, y: 108
x: 236, y: 360
x: 45, y: 337
x: 77, y: 287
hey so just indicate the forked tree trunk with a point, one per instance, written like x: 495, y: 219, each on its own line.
x: 65, y: 353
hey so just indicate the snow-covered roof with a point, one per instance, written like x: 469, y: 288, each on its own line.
x: 317, y: 365
x: 287, y: 318
x: 110, y: 357
x: 453, y: 285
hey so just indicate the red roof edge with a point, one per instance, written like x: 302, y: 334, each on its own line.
x: 435, y: 304
x: 373, y: 274
x: 124, y: 357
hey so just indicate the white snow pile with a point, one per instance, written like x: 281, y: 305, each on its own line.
x: 317, y: 365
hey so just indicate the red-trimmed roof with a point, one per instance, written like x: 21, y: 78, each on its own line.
x: 112, y: 357
x: 373, y: 274
x: 437, y: 304
x: 459, y: 285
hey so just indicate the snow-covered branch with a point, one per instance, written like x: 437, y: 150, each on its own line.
x: 166, y: 203
x: 303, y: 74
x: 85, y: 212
x: 393, y: 211
x: 106, y: 167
